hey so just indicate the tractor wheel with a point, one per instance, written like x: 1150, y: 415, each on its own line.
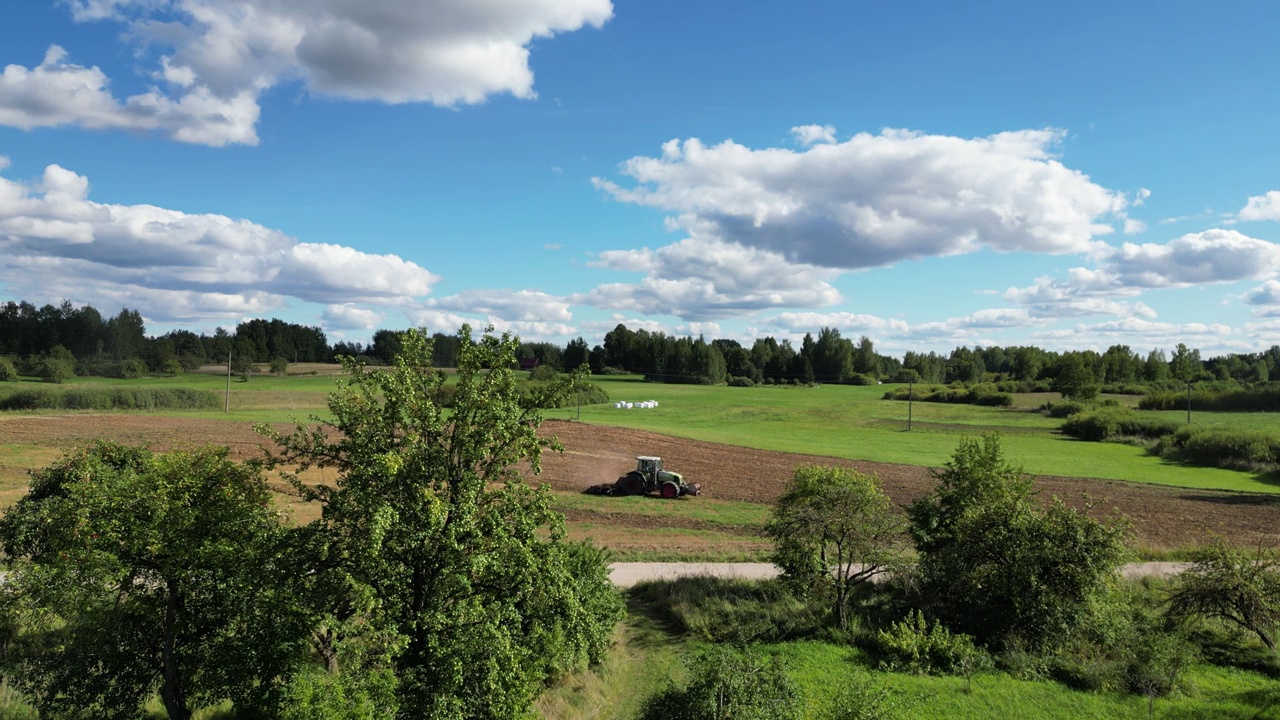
x: 670, y: 490
x: 632, y: 484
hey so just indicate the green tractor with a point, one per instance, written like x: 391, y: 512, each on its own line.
x: 649, y: 477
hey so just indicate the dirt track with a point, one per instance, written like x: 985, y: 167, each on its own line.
x: 1162, y: 516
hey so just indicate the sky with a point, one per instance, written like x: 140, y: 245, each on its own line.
x: 1070, y: 175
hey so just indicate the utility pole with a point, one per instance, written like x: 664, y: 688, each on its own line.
x: 910, y: 398
x: 227, y: 408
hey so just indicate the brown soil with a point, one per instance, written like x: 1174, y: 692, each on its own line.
x: 1163, y: 517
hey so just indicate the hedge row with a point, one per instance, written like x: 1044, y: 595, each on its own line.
x: 1255, y: 399
x: 534, y: 392
x: 1111, y: 424
x: 101, y: 398
x: 1208, y: 445
x: 985, y: 394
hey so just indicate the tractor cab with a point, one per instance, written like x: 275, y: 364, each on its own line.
x: 649, y: 466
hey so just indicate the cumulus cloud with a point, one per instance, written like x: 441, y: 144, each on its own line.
x: 1138, y: 331
x: 702, y: 279
x: 57, y: 92
x: 1212, y: 256
x: 444, y: 321
x: 174, y: 265
x: 509, y: 305
x: 1262, y: 207
x: 219, y: 56
x: 348, y: 316
x: 877, y: 199
x: 813, y: 134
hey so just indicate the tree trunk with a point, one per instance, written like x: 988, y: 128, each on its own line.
x: 172, y: 691
x: 323, y: 642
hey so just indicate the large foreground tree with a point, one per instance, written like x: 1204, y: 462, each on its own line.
x: 458, y: 567
x: 132, y: 573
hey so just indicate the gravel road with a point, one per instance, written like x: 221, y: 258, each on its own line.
x: 627, y: 574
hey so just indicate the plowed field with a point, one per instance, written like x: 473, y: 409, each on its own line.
x: 1162, y: 516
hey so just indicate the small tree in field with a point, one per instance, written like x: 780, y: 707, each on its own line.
x: 834, y: 526
x: 133, y: 573
x: 1234, y: 585
x: 8, y: 373
x: 460, y: 567
x: 279, y: 366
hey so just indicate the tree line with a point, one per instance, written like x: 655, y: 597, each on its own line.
x: 95, y: 344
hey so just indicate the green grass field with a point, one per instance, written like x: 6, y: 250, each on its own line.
x: 833, y: 420
x: 855, y: 423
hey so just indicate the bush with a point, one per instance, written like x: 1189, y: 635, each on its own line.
x: 983, y: 394
x: 1064, y: 409
x: 100, y: 398
x: 1111, y: 424
x: 57, y: 370
x: 729, y: 683
x: 350, y: 695
x: 1265, y: 398
x: 131, y: 369
x: 586, y: 393
x: 860, y: 379
x: 611, y: 370
x: 918, y: 646
x: 543, y: 373
x: 741, y: 381
x: 279, y: 366
x: 8, y: 373
x: 731, y: 611
x: 1221, y: 447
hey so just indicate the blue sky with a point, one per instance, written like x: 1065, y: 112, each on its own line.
x: 1069, y: 175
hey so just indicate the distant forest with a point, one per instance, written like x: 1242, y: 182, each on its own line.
x: 31, y: 337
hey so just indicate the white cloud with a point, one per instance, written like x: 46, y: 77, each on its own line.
x: 1268, y: 293
x: 347, y: 316
x: 1133, y: 227
x: 1212, y: 256
x: 174, y: 265
x: 510, y: 305
x: 57, y: 92
x: 1262, y: 207
x: 1138, y: 331
x: 814, y: 134
x: 877, y: 199
x: 220, y: 55
x: 707, y: 279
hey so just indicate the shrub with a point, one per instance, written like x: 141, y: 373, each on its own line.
x: 100, y: 398
x: 741, y: 381
x: 1264, y: 398
x: 353, y: 694
x: 611, y: 370
x: 543, y: 373
x: 279, y: 366
x: 131, y: 369
x: 860, y: 379
x: 8, y: 373
x: 918, y: 646
x: 984, y: 394
x: 1112, y: 423
x: 1221, y: 447
x: 57, y: 370
x: 998, y: 566
x: 1064, y: 409
x: 728, y: 683
x: 173, y: 368
x: 731, y: 611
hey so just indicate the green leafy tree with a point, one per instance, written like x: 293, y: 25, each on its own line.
x: 994, y: 565
x: 835, y: 527
x: 1234, y: 585
x: 1075, y: 380
x: 279, y: 366
x: 470, y: 584
x: 729, y: 684
x: 8, y: 373
x: 57, y: 370
x: 133, y: 573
